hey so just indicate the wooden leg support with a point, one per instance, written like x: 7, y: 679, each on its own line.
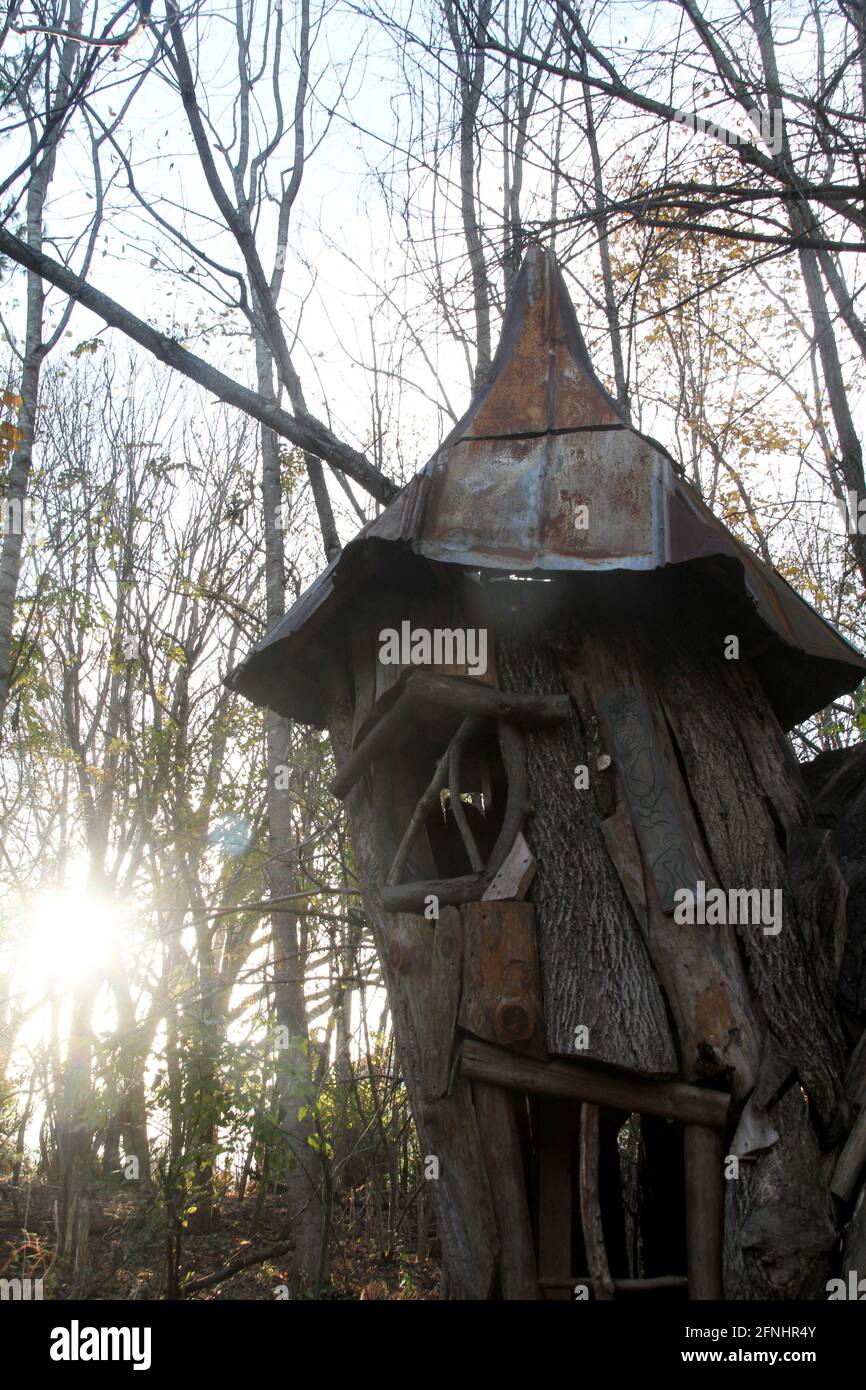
x: 503, y: 1159
x: 705, y: 1201
x: 590, y: 1203
x: 554, y: 1201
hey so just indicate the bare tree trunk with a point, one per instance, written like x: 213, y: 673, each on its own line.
x: 470, y: 68
x: 15, y: 500
x: 33, y: 357
x: 848, y: 469
x: 305, y: 1200
x: 610, y: 305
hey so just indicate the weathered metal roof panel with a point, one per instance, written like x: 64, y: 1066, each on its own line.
x: 543, y: 502
x: 541, y: 442
x: 541, y: 378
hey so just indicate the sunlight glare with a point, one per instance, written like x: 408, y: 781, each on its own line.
x: 70, y: 936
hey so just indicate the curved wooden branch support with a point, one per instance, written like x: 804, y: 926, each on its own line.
x: 430, y: 795
x: 590, y: 1203
x: 517, y: 796
x: 471, y: 697
x: 451, y: 892
x: 455, y: 754
x: 466, y: 697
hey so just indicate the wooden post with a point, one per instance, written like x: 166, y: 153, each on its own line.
x: 590, y: 1203
x: 704, y: 1151
x: 442, y: 999
x: 500, y: 1143
x: 554, y: 1199
x: 851, y: 1160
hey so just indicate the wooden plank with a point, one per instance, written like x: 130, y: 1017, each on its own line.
x: 429, y: 962
x: 622, y: 846
x: 851, y: 1160
x: 447, y: 1129
x: 590, y: 1204
x: 704, y: 1151
x: 819, y: 890
x: 410, y: 952
x: 659, y: 1283
x: 587, y: 1081
x: 501, y: 998
x: 652, y: 798
x: 363, y: 672
x: 503, y: 1159
x: 555, y: 1145
x: 446, y: 973
x: 516, y: 874
x: 747, y: 791
x: 464, y: 1201
x: 596, y: 971
x: 855, y: 1074
x: 700, y: 967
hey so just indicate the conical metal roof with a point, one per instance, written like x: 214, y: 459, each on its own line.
x: 543, y: 474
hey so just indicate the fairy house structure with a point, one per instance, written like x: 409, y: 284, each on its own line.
x: 558, y: 689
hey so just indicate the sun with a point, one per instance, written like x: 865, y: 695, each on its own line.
x: 70, y: 936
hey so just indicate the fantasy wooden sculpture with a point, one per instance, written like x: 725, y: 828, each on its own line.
x: 557, y: 690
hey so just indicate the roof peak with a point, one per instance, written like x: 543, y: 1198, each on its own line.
x: 541, y: 379
x: 544, y: 475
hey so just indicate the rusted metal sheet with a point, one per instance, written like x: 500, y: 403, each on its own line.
x: 541, y: 378
x: 545, y: 503
x: 543, y: 475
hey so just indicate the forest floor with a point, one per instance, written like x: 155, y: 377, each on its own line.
x: 126, y: 1251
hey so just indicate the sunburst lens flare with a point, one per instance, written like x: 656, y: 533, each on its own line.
x: 70, y: 936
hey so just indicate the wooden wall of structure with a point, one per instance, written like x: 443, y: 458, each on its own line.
x: 727, y: 1030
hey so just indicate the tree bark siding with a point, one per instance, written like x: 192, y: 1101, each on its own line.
x: 704, y: 697
x: 35, y: 349
x: 779, y: 1224
x: 698, y: 966
x: 595, y: 968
